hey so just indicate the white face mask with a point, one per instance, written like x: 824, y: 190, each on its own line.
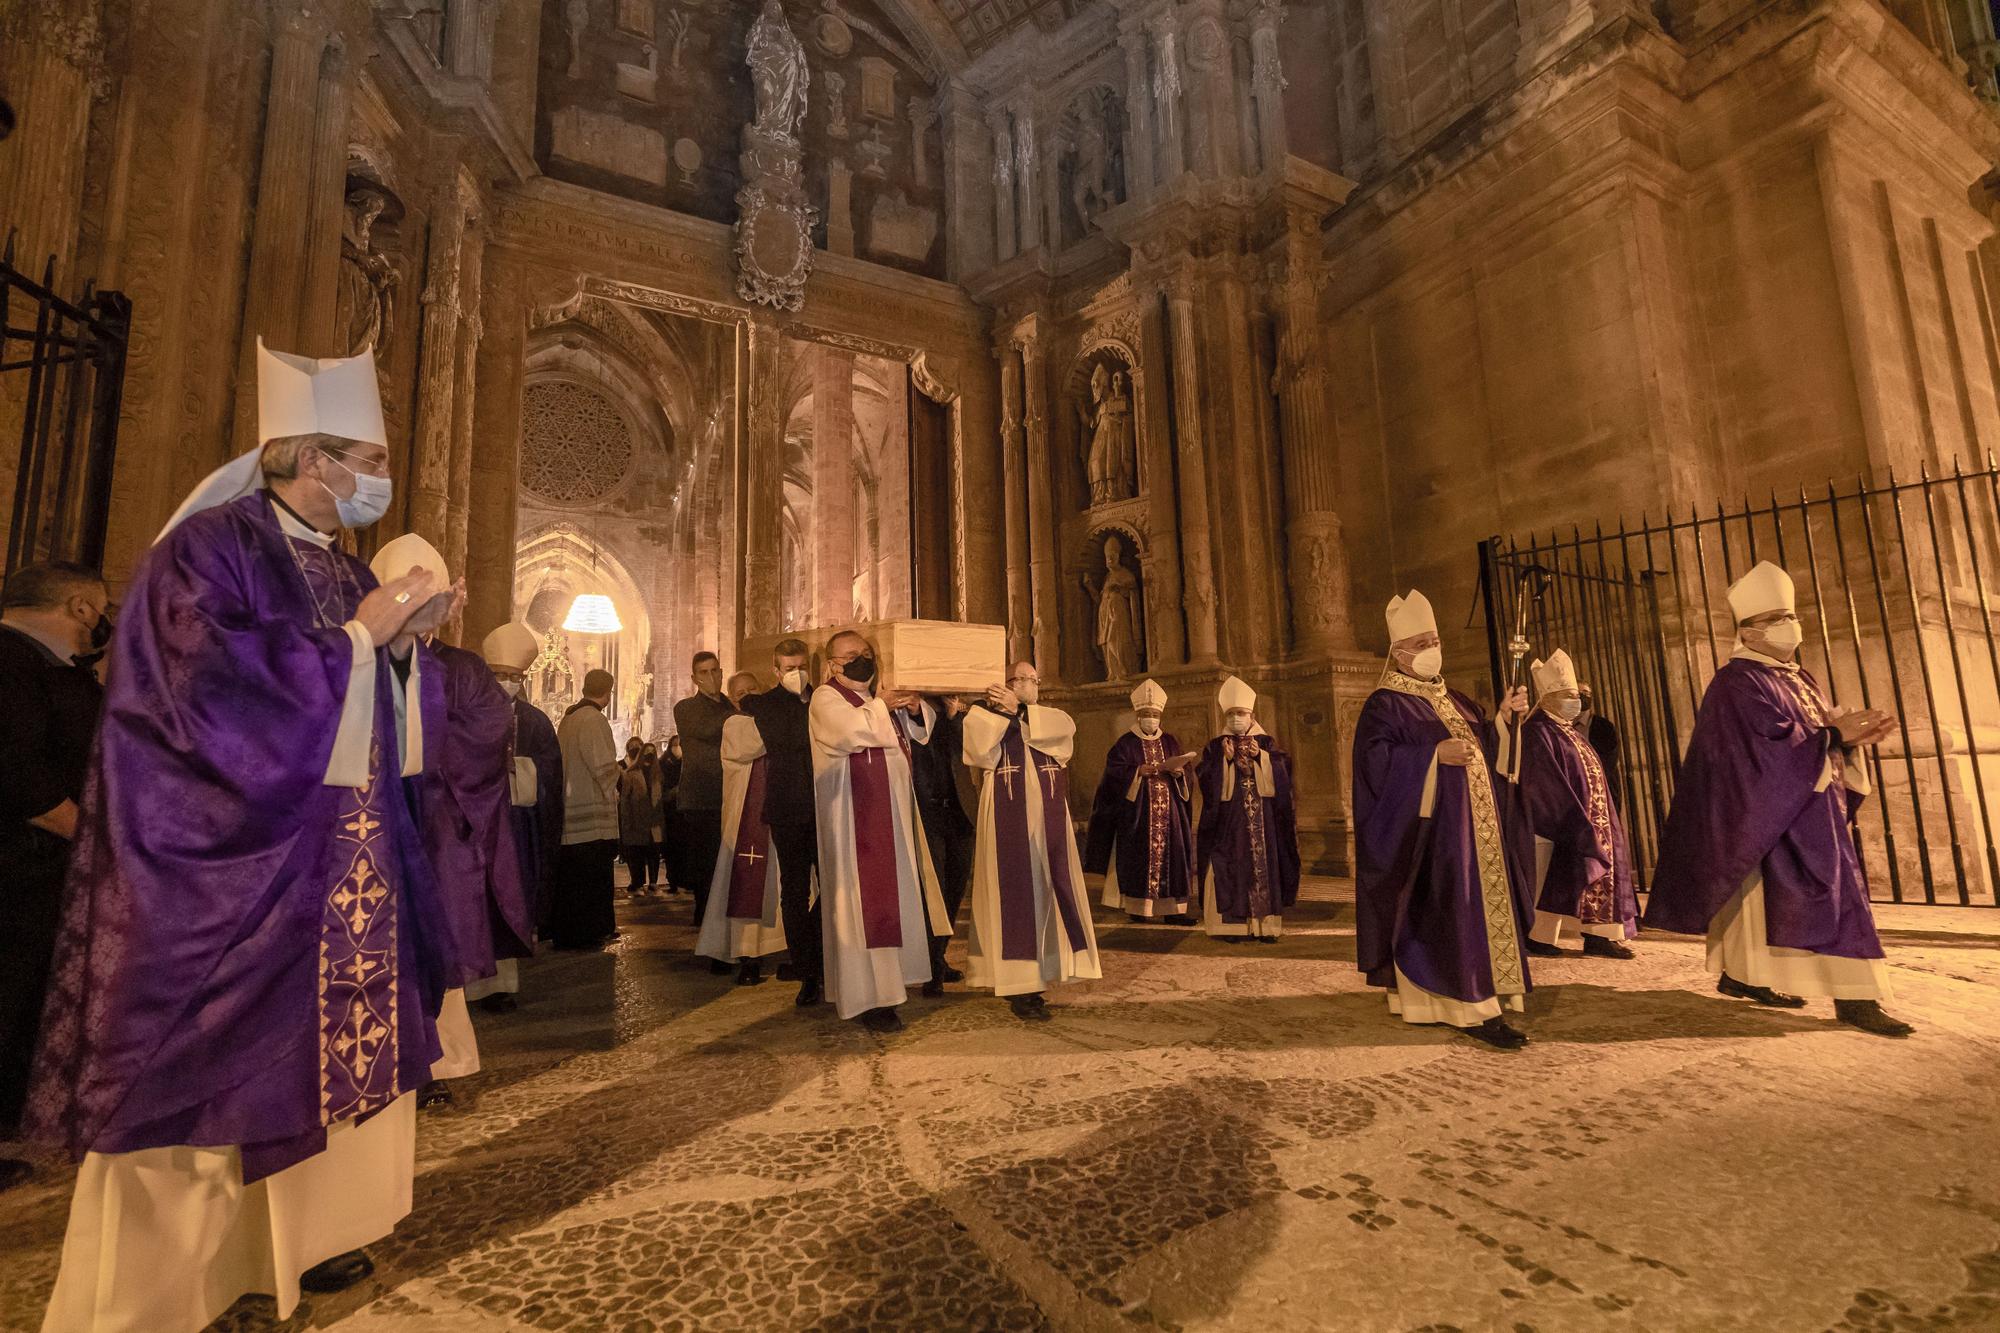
x: 368, y: 503
x: 794, y: 680
x: 1238, y: 724
x: 513, y: 688
x: 1786, y: 635
x: 1426, y: 664
x: 1028, y: 690
x: 1567, y: 709
x: 1149, y: 726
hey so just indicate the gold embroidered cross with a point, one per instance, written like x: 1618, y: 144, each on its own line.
x: 356, y: 903
x: 1049, y: 771
x: 1006, y: 772
x: 751, y: 856
x: 363, y: 825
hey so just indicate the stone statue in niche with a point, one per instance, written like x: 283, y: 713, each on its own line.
x: 1116, y: 592
x: 1108, y: 464
x: 366, y: 300
x: 1092, y: 163
x: 777, y: 74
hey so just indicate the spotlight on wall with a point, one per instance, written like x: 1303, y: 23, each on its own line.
x: 592, y: 613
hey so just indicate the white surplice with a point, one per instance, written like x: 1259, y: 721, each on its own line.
x: 723, y: 936
x: 859, y: 978
x: 1050, y: 734
x: 458, y: 1045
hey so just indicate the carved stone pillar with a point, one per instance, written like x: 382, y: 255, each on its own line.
x: 833, y: 527
x: 764, y: 441
x: 1139, y: 113
x: 1167, y: 96
x: 1043, y: 556
x: 327, y: 208
x: 471, y: 330
x: 1029, y: 216
x: 1198, y: 579
x: 1014, y: 474
x: 1051, y: 188
x: 1004, y: 240
x: 1317, y: 553
x: 468, y: 35
x: 1240, y: 445
x: 1166, y: 618
x: 48, y: 56
x: 494, y: 468
x: 968, y: 183
x: 282, y: 221
x: 1267, y: 83
x: 437, y: 370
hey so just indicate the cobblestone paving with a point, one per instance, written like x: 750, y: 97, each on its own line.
x: 1213, y: 1137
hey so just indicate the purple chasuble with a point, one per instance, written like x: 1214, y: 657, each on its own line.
x: 1568, y: 801
x: 750, y: 866
x: 1419, y: 898
x: 1020, y: 764
x: 468, y: 816
x: 875, y: 859
x: 1249, y: 841
x: 1745, y: 803
x: 1152, y: 836
x: 247, y: 954
x: 538, y: 827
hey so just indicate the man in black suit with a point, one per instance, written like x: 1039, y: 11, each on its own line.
x: 1603, y: 738
x: 50, y: 615
x: 780, y: 714
x: 936, y: 729
x: 699, y: 718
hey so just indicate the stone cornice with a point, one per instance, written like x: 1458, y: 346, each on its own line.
x: 457, y: 105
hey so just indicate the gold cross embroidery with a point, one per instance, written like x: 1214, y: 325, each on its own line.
x: 363, y: 825
x: 751, y: 856
x: 1049, y: 771
x: 1006, y: 773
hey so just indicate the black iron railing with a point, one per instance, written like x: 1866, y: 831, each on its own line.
x: 62, y: 368
x: 1895, y: 585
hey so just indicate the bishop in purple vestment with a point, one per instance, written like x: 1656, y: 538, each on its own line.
x: 1758, y: 850
x: 1247, y: 845
x: 1141, y: 836
x: 1583, y: 864
x: 1441, y: 883
x: 253, y: 950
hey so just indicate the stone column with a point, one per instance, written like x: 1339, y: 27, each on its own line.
x: 1267, y: 83
x: 1238, y: 396
x: 968, y: 183
x: 833, y: 485
x: 1167, y: 96
x: 1043, y: 556
x: 48, y: 56
x: 1318, y: 554
x: 494, y: 468
x: 1029, y: 217
x: 1139, y: 113
x: 1004, y: 240
x: 895, y: 577
x: 1014, y: 472
x: 471, y: 331
x: 437, y: 369
x: 282, y: 221
x: 763, y: 441
x: 1152, y: 415
x: 468, y: 35
x: 1051, y: 188
x: 327, y: 209
x: 1198, y: 580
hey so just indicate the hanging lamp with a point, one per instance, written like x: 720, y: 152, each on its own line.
x: 592, y: 612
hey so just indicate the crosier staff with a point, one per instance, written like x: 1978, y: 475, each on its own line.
x: 1534, y: 583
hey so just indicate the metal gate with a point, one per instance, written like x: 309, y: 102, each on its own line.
x: 62, y: 367
x: 1896, y: 589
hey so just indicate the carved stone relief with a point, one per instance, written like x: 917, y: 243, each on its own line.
x: 774, y: 222
x: 1115, y: 593
x: 1092, y: 164
x: 366, y: 300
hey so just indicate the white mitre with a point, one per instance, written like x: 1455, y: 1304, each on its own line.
x: 512, y: 646
x: 1557, y: 673
x: 1149, y: 695
x: 1235, y: 694
x: 1410, y: 616
x: 296, y: 395
x: 1764, y: 588
x: 406, y: 553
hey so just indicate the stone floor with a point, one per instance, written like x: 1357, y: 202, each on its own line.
x: 1212, y: 1137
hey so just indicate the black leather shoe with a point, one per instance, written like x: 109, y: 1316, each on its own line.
x: 337, y: 1274
x: 1764, y: 995
x: 933, y: 989
x: 1136, y: 919
x: 950, y: 975
x: 788, y: 971
x: 719, y: 968
x: 810, y: 994
x: 499, y: 1002
x: 1496, y: 1032
x: 1030, y: 1008
x: 749, y: 972
x: 1179, y: 919
x: 1537, y: 949
x: 14, y: 1171
x: 1603, y: 946
x: 881, y: 1020
x: 435, y: 1095
x: 1868, y: 1016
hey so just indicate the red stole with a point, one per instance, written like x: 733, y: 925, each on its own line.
x: 750, y: 868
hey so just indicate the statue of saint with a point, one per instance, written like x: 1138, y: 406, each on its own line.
x: 1109, y: 420
x: 366, y: 301
x: 1117, y: 594
x: 777, y: 74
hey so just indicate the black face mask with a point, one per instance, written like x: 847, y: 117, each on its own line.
x: 100, y: 633
x: 861, y: 669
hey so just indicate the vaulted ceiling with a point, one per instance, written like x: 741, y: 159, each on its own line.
x: 978, y: 24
